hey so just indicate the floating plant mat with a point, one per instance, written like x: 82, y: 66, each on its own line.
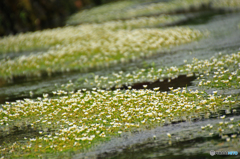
x: 91, y: 47
x: 219, y: 72
x: 133, y: 9
x: 129, y: 10
x: 75, y: 121
x: 68, y: 35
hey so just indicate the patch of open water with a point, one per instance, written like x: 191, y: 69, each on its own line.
x: 180, y: 81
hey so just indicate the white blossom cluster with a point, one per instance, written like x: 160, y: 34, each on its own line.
x: 226, y: 4
x: 89, y: 46
x: 69, y: 34
x: 101, y: 11
x: 128, y: 10
x: 74, y: 121
x: 219, y: 72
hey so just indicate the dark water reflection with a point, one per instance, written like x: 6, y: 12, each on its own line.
x: 180, y: 81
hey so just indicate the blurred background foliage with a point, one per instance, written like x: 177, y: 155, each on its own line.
x: 31, y: 15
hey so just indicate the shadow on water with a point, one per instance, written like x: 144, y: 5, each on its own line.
x: 13, y: 98
x: 17, y: 133
x: 198, y: 18
x: 180, y: 81
x: 20, y: 87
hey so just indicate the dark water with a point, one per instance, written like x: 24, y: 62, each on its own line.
x: 180, y: 81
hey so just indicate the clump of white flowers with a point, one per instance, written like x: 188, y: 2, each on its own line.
x: 90, y: 47
x: 129, y: 9
x: 219, y: 72
x: 74, y: 121
x: 226, y: 3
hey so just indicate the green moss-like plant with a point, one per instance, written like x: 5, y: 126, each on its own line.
x: 129, y: 10
x: 218, y: 72
x: 91, y: 47
x: 77, y: 121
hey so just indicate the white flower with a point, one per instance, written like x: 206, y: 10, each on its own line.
x: 169, y: 135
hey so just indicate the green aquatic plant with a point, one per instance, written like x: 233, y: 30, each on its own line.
x: 69, y: 35
x: 226, y: 4
x: 101, y: 11
x: 77, y: 121
x: 130, y: 10
x: 142, y: 22
x: 218, y: 72
x: 93, y: 47
x: 223, y: 73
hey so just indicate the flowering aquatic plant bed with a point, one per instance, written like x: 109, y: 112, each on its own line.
x: 218, y: 72
x: 128, y: 10
x: 77, y: 121
x: 72, y: 122
x: 69, y: 35
x: 226, y: 4
x: 101, y: 11
x: 93, y: 47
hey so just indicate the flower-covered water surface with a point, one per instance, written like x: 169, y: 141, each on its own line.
x: 226, y: 4
x: 76, y: 121
x: 69, y: 34
x: 220, y: 71
x: 90, y: 46
x: 128, y: 10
